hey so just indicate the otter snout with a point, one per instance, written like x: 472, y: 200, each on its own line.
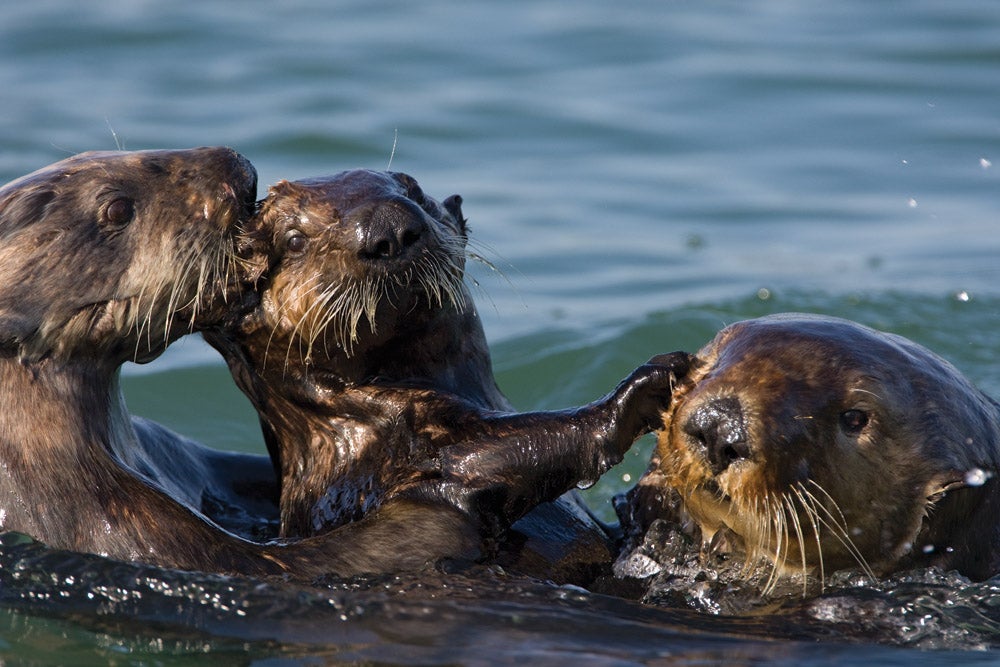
x: 718, y: 426
x: 238, y: 178
x: 389, y: 229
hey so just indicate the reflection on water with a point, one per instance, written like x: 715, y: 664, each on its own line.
x: 924, y: 608
x: 687, y: 615
x: 643, y: 174
x: 63, y: 604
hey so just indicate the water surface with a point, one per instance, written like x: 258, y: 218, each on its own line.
x: 641, y: 175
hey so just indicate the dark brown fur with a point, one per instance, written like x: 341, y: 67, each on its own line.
x: 394, y: 396
x: 106, y: 258
x: 795, y: 425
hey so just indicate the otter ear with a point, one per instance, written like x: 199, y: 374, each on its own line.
x: 453, y: 205
x: 22, y: 208
x: 952, y: 480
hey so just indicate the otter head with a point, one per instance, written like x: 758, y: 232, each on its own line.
x: 114, y: 255
x: 362, y: 258
x: 818, y: 444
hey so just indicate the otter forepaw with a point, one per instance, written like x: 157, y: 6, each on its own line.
x: 679, y: 363
x: 649, y: 388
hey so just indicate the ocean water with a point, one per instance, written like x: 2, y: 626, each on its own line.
x: 638, y: 174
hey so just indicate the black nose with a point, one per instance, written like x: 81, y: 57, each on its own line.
x: 719, y: 426
x: 390, y: 230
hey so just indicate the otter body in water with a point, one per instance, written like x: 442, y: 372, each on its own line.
x: 108, y: 257
x: 818, y: 444
x: 367, y: 363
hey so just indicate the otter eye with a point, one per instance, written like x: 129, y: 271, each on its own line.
x: 853, y: 421
x: 295, y: 241
x: 119, y: 212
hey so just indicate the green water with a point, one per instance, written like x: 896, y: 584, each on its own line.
x: 641, y: 174
x: 557, y: 368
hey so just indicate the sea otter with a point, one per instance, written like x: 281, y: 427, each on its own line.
x: 817, y: 444
x: 108, y: 257
x: 367, y: 363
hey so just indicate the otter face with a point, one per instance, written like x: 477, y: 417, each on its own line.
x: 114, y: 255
x: 361, y: 249
x: 815, y: 443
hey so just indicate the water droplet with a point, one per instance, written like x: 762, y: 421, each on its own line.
x: 638, y: 566
x: 911, y: 202
x: 984, y: 163
x: 962, y: 296
x: 977, y: 476
x: 763, y: 294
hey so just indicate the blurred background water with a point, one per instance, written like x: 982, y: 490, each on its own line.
x: 641, y: 174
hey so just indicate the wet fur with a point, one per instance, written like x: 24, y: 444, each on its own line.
x: 373, y: 379
x: 84, y: 291
x: 86, y: 288
x: 811, y: 497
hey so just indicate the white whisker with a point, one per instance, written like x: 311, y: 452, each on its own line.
x: 793, y: 515
x: 814, y: 523
x: 837, y: 524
